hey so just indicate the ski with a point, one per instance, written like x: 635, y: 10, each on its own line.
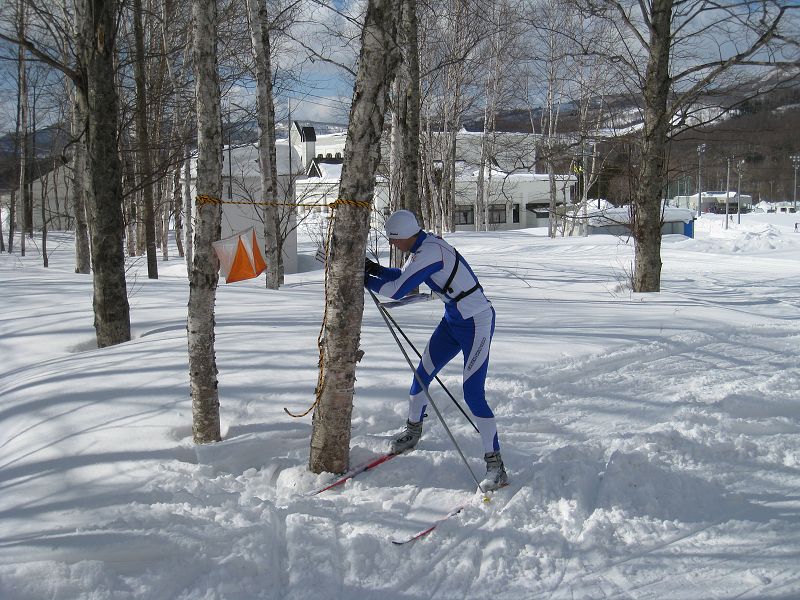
x: 399, y: 541
x: 355, y: 471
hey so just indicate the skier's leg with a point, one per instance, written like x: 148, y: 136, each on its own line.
x: 475, y: 337
x: 441, y: 349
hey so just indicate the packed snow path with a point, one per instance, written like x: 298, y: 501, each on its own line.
x: 653, y: 441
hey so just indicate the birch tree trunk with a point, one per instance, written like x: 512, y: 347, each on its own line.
x: 177, y: 208
x: 646, y: 205
x: 12, y: 219
x: 409, y: 187
x: 405, y: 155
x: 132, y: 207
x: 204, y: 272
x: 22, y: 137
x: 339, y: 339
x: 396, y: 141
x: 480, y: 183
x: 79, y: 180
x: 188, y: 209
x: 143, y: 139
x: 98, y: 20
x: 164, y: 194
x: 259, y: 34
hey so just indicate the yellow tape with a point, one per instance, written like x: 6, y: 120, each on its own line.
x: 206, y: 199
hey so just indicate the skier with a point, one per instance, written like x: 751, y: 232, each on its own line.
x: 467, y: 326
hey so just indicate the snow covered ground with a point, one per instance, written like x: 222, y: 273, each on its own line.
x: 653, y: 440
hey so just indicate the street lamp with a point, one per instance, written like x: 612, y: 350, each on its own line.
x: 796, y: 164
x: 700, y: 150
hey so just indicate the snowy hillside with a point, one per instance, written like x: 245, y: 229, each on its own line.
x: 652, y: 441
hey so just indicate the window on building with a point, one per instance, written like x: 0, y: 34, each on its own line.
x: 497, y: 213
x: 515, y: 214
x: 465, y: 215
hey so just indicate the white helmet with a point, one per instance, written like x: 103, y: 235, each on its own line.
x: 401, y: 225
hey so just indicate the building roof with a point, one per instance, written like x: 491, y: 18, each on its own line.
x: 325, y: 169
x: 307, y: 133
x: 622, y: 216
x: 244, y: 160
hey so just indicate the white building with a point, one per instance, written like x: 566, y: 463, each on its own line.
x: 515, y: 199
x: 774, y: 207
x: 613, y: 220
x: 241, y: 183
x: 714, y: 202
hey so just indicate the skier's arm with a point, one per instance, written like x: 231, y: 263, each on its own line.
x: 396, y: 283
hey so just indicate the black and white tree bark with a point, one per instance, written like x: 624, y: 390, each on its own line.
x: 143, y: 139
x: 410, y: 188
x: 267, y: 159
x: 98, y: 92
x: 339, y: 338
x: 204, y: 272
x: 79, y: 180
x: 404, y: 158
x: 22, y: 135
x: 188, y: 209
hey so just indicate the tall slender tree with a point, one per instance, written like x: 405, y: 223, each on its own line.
x: 204, y: 272
x: 79, y: 180
x: 267, y: 159
x: 97, y: 91
x: 22, y: 136
x: 143, y: 139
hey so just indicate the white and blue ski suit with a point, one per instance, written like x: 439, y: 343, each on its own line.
x: 467, y: 325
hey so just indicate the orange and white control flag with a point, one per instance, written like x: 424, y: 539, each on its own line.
x: 239, y: 256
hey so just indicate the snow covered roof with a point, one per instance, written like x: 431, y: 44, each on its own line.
x: 520, y: 176
x: 325, y: 170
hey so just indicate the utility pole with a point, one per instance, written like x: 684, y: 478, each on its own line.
x: 727, y: 189
x: 700, y: 150
x: 796, y: 164
x: 739, y: 168
x: 289, y: 195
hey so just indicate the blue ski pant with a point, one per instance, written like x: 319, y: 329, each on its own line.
x: 473, y: 338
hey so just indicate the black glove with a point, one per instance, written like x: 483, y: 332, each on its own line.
x: 371, y: 267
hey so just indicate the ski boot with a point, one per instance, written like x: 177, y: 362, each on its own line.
x: 496, y: 476
x: 408, y: 439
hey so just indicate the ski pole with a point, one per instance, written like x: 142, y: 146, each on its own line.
x: 427, y: 393
x: 414, y: 348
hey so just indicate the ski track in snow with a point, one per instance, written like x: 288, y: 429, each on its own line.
x: 651, y: 440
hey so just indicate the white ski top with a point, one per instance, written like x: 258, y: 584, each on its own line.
x: 432, y: 262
